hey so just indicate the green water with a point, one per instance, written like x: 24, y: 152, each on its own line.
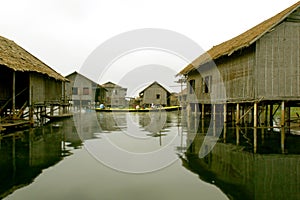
x: 137, y: 156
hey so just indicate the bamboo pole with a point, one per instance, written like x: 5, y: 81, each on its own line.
x: 237, y: 114
x: 255, y: 115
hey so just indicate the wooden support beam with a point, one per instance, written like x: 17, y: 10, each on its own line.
x: 214, y: 112
x: 225, y: 113
x: 237, y: 114
x: 203, y: 111
x: 224, y: 132
x: 255, y: 115
x: 255, y: 140
x: 237, y: 134
x: 282, y: 123
x: 266, y: 115
x: 245, y: 114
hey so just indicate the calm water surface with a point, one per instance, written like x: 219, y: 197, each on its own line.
x: 139, y: 156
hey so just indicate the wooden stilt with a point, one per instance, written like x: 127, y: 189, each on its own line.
x: 255, y: 127
x: 266, y: 115
x: 202, y: 126
x: 214, y: 112
x: 203, y: 111
x: 243, y: 112
x: 195, y: 109
x: 14, y: 95
x: 282, y: 122
x: 237, y: 133
x: 237, y: 120
x: 225, y: 113
x: 255, y: 115
x: 255, y: 140
x: 31, y: 108
x: 225, y: 132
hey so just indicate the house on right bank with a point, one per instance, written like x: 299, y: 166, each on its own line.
x: 255, y: 72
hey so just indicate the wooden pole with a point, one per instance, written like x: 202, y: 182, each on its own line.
x: 266, y: 115
x: 225, y: 132
x: 237, y: 121
x: 31, y: 108
x: 282, y: 122
x: 203, y: 111
x: 14, y: 95
x: 243, y: 112
x: 237, y: 133
x: 195, y: 108
x: 225, y: 113
x: 255, y: 139
x: 255, y: 115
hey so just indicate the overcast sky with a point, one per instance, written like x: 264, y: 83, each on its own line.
x: 63, y: 33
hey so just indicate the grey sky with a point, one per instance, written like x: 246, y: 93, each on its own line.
x: 63, y: 33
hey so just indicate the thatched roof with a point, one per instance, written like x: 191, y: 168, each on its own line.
x: 18, y: 59
x: 241, y: 41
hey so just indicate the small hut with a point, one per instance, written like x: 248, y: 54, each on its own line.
x: 155, y: 94
x: 25, y: 81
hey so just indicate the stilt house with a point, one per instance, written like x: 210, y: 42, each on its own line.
x: 83, y: 91
x: 25, y: 80
x: 254, y: 70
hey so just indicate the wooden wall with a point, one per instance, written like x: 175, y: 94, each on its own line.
x: 45, y: 88
x: 80, y: 82
x: 278, y: 63
x: 231, y: 79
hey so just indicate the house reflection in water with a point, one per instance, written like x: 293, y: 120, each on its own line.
x: 24, y: 154
x: 245, y: 175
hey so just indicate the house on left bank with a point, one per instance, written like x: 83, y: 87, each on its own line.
x: 84, y: 92
x: 25, y: 81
